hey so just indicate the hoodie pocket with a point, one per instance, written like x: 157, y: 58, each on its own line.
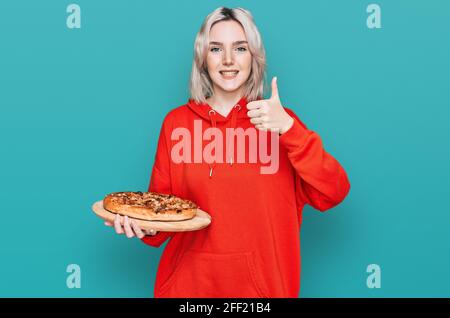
x: 210, y: 275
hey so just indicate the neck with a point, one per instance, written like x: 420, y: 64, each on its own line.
x: 223, y: 102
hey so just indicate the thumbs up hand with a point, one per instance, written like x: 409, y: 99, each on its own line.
x: 269, y: 114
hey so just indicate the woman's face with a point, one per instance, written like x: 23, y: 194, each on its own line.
x: 229, y: 60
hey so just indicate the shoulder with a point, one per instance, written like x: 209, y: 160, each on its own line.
x: 293, y: 115
x: 290, y: 112
x: 175, y: 114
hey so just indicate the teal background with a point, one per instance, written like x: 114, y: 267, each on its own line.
x: 70, y: 98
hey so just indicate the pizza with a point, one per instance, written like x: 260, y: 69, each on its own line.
x: 150, y: 206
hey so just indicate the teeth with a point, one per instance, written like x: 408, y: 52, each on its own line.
x: 229, y: 73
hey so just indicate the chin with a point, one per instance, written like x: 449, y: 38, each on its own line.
x: 230, y: 88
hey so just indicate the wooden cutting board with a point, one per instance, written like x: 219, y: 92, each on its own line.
x: 200, y: 221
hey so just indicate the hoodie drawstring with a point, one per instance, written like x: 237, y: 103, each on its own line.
x: 234, y: 113
x: 212, y: 117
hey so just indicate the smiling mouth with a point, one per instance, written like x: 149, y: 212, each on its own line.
x: 228, y: 74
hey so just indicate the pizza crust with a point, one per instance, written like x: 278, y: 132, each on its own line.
x: 147, y: 213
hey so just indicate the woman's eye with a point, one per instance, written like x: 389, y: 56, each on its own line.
x: 217, y: 49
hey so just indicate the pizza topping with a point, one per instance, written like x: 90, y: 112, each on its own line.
x: 157, y: 201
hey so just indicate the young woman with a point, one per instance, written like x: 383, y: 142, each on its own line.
x: 252, y: 246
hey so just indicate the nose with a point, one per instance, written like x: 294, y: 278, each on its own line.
x: 227, y: 57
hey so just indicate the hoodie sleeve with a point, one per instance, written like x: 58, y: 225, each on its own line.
x: 160, y: 181
x: 320, y: 180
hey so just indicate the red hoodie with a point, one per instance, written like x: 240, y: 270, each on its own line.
x: 252, y: 247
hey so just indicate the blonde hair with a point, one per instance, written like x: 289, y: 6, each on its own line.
x: 200, y: 85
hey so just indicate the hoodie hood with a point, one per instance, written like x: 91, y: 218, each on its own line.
x: 205, y: 111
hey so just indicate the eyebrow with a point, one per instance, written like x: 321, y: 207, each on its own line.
x: 234, y: 43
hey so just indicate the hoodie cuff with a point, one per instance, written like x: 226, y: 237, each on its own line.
x: 294, y: 137
x: 157, y: 239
